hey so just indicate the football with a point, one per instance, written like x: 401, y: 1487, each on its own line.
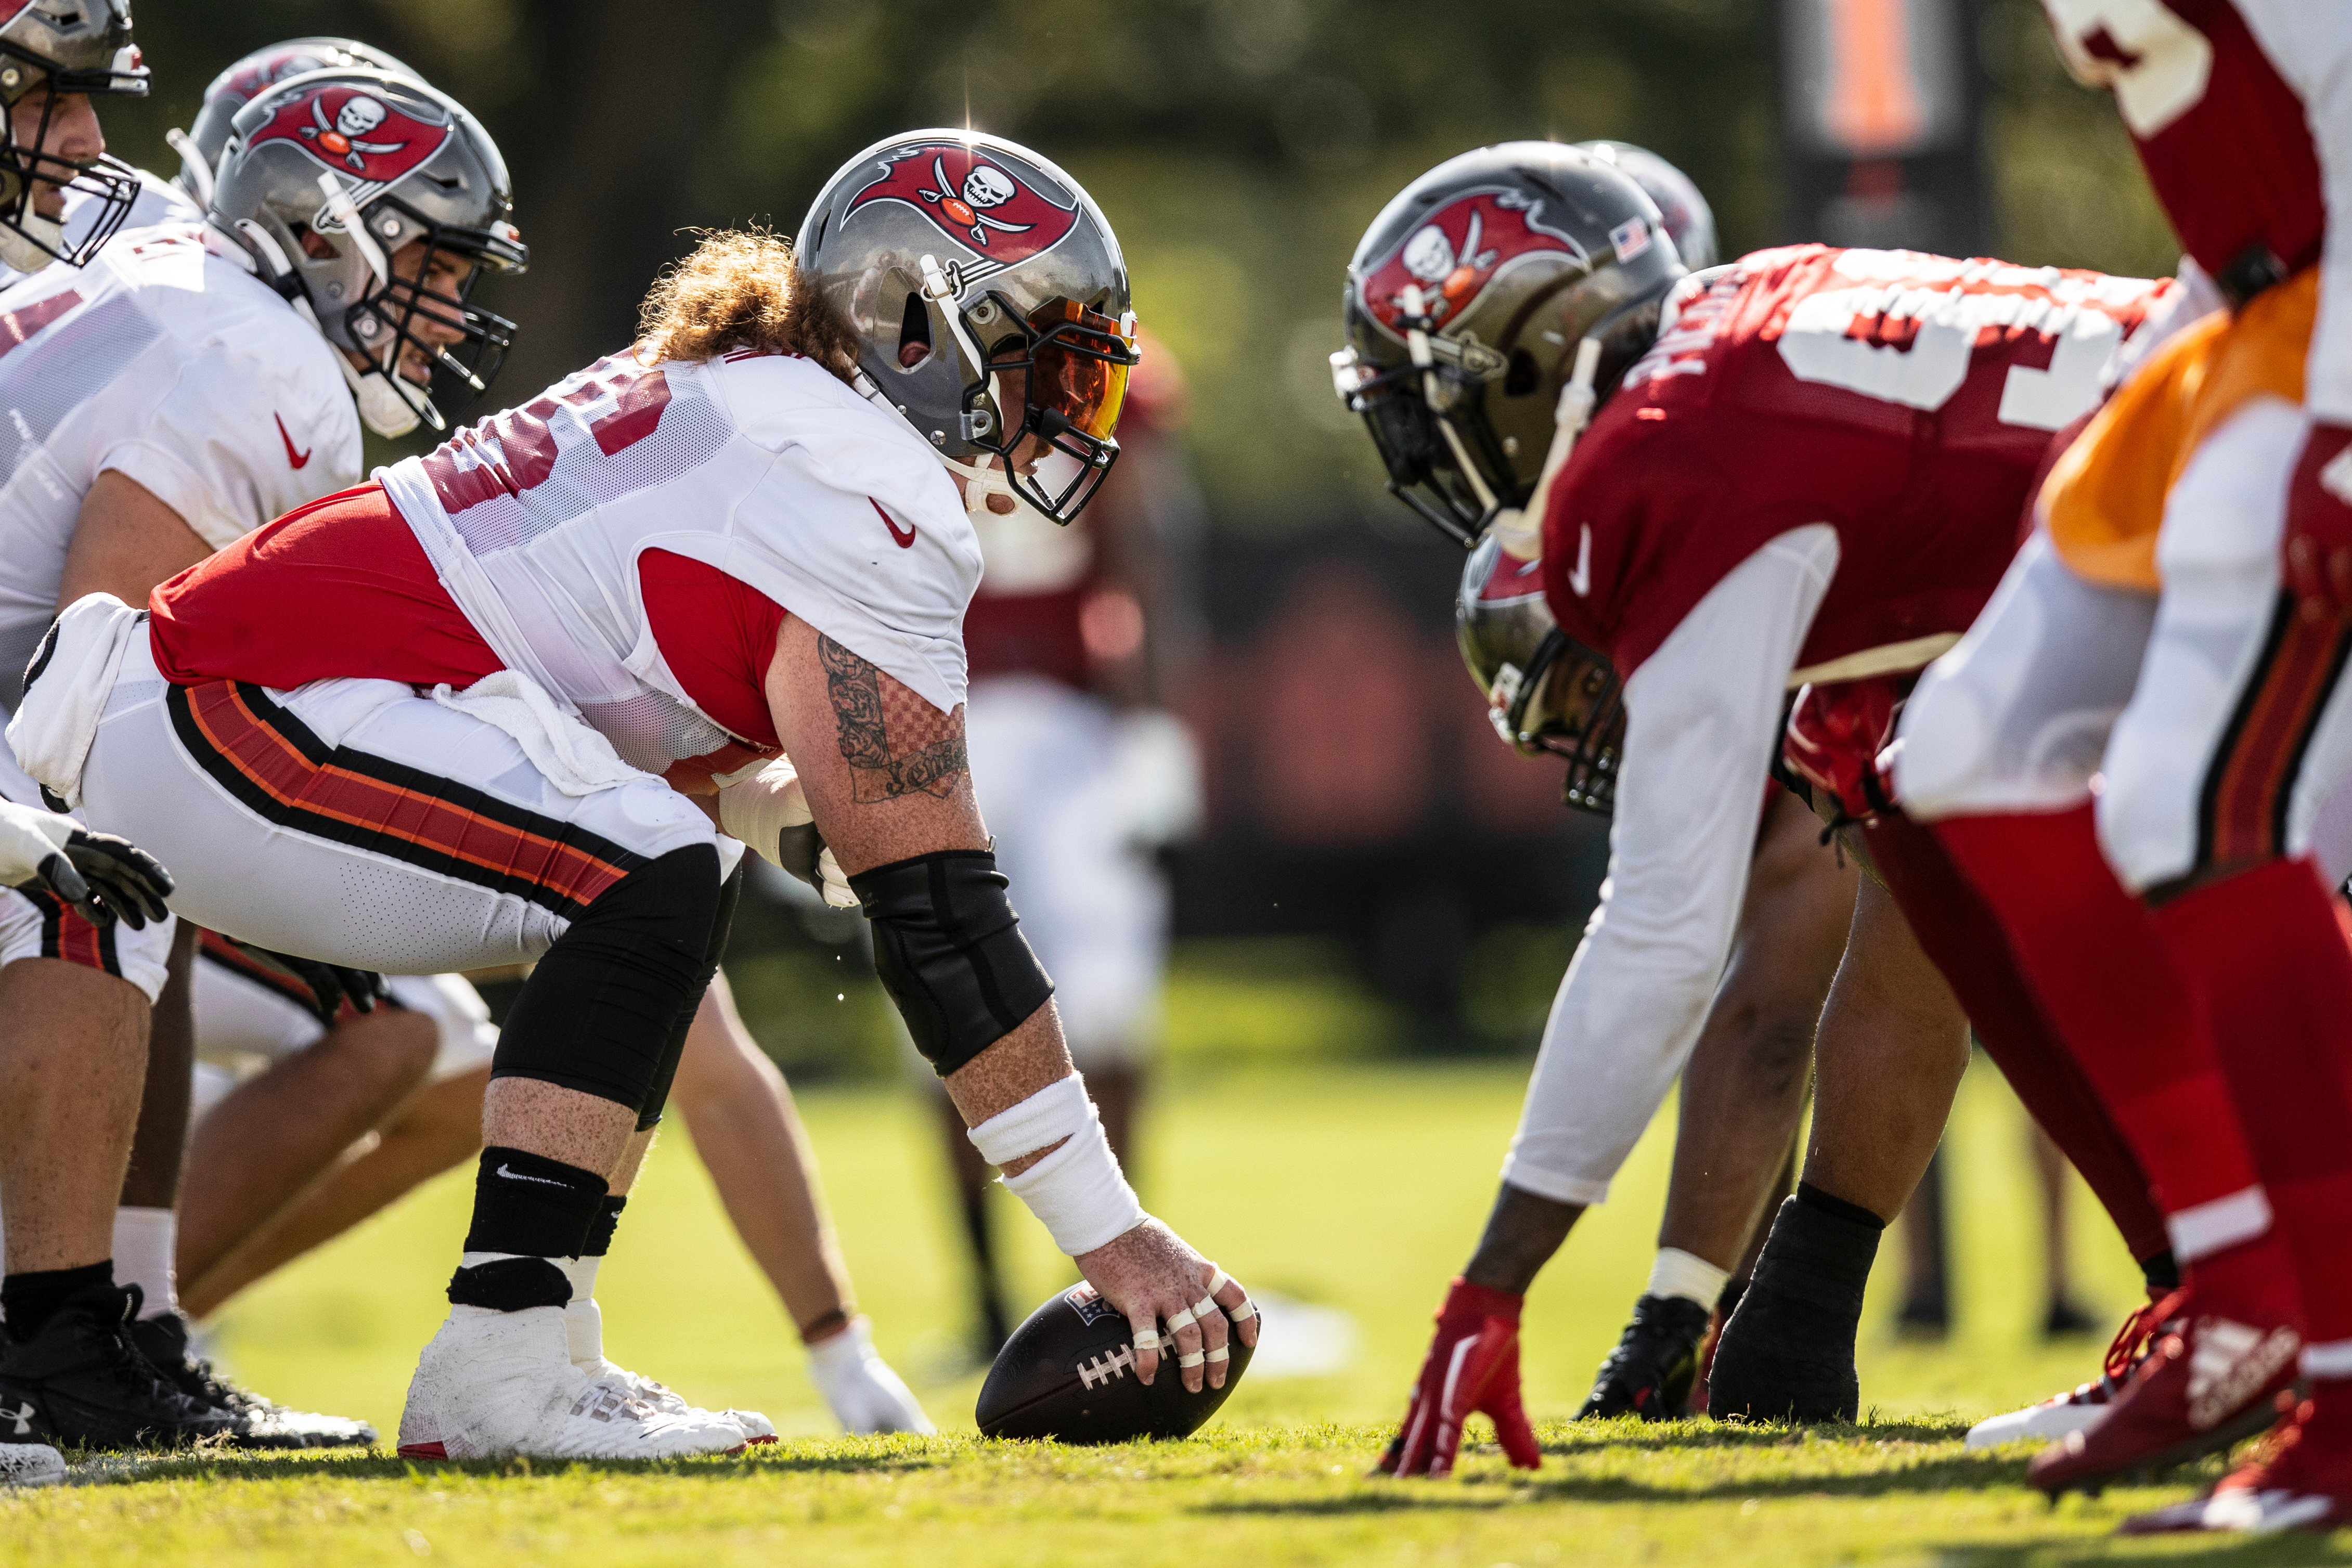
x: 1068, y: 1373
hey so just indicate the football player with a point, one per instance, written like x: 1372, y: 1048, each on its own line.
x: 1500, y: 306
x: 2177, y: 628
x: 181, y: 388
x: 473, y: 724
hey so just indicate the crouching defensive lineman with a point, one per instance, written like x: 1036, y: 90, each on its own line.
x: 460, y: 718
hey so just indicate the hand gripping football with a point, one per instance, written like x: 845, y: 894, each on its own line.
x: 1068, y: 1373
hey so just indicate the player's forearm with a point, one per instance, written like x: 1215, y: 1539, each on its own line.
x: 1030, y: 1059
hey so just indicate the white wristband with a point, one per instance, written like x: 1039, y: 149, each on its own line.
x: 1060, y: 1110
x: 1078, y: 1193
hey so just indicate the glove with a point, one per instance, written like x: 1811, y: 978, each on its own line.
x: 331, y: 985
x: 865, y: 1395
x: 767, y: 807
x: 103, y: 877
x: 1473, y: 1368
x: 1835, y: 735
x: 2319, y: 523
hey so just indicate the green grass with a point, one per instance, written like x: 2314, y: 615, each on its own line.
x: 1360, y: 1188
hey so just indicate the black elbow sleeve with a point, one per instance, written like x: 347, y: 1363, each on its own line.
x: 949, y: 951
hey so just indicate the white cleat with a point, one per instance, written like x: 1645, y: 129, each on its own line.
x: 30, y: 1465
x: 2048, y: 1421
x: 583, y: 1330
x: 866, y: 1394
x: 494, y: 1384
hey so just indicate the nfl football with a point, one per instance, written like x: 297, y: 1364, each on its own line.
x: 1068, y: 1373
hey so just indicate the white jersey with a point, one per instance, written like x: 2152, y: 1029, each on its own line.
x: 168, y: 362
x: 761, y: 466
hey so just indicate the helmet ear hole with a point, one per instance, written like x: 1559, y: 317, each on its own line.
x: 914, y: 333
x: 1523, y: 377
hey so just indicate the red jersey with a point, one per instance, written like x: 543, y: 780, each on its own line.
x: 1906, y: 400
x: 2224, y: 136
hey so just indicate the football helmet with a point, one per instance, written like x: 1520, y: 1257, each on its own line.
x: 200, y: 145
x: 324, y: 178
x: 1488, y: 308
x: 990, y: 302
x: 65, y: 49
x: 1545, y: 691
x: 1690, y: 222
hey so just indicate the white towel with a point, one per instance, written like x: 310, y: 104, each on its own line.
x: 52, y: 731
x: 573, y: 758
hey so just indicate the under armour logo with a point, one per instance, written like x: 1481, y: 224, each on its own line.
x: 23, y: 1416
x: 1106, y: 1368
x: 518, y: 1176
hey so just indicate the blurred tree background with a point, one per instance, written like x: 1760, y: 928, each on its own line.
x: 1239, y: 146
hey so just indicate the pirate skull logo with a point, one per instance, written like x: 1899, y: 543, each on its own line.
x: 984, y: 187
x: 359, y: 115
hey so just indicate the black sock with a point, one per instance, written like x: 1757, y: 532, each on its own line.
x: 1814, y: 1197
x: 2161, y: 1271
x: 535, y: 1208
x: 31, y: 1300
x: 601, y: 1228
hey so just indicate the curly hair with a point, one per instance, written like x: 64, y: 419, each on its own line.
x: 742, y: 289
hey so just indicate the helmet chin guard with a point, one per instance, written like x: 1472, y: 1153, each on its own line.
x: 1546, y: 693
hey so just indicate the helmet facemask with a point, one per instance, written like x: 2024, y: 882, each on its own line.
x: 384, y: 323
x: 29, y: 238
x: 1566, y: 703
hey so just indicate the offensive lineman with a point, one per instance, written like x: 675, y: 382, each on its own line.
x: 1672, y: 544
x: 181, y: 389
x: 785, y: 569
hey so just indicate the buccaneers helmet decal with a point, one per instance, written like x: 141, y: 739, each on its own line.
x: 1463, y: 246
x: 976, y: 203
x: 277, y: 65
x: 355, y: 132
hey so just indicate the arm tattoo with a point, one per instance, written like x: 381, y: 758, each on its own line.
x: 894, y: 743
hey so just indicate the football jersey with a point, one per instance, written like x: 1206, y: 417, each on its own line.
x: 2240, y: 114
x: 168, y: 362
x: 1905, y: 399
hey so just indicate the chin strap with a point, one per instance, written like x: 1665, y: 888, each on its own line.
x: 1521, y: 530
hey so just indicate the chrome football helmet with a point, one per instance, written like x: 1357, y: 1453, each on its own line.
x: 1546, y: 692
x: 323, y: 180
x: 200, y: 145
x: 990, y: 302
x: 62, y: 49
x: 1488, y: 308
x: 1690, y: 221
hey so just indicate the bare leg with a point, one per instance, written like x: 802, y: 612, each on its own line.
x: 152, y: 1180
x: 739, y: 1112
x: 73, y: 1054
x: 274, y: 1137
x: 440, y: 1128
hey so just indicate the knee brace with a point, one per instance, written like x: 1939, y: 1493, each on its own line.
x: 649, y: 1115
x: 949, y: 951
x: 598, y: 1013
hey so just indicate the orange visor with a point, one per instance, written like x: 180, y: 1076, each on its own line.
x: 1079, y: 365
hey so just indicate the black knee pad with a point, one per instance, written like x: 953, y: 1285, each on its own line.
x: 598, y: 1013
x: 949, y: 951
x: 649, y: 1115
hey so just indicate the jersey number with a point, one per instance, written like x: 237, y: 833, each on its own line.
x: 525, y: 452
x: 1912, y: 346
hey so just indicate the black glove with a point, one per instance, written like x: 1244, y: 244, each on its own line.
x: 330, y: 985
x: 105, y: 878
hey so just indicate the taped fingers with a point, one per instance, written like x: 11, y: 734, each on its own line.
x: 1144, y: 1334
x: 1227, y: 1292
x: 1213, y: 1334
x: 1184, y: 1334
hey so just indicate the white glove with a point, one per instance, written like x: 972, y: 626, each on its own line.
x: 102, y: 876
x: 865, y: 1394
x: 28, y: 836
x: 765, y: 806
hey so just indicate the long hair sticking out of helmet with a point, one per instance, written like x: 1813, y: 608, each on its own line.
x: 742, y: 289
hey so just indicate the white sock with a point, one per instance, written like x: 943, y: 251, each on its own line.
x: 1688, y: 1275
x: 144, y: 1241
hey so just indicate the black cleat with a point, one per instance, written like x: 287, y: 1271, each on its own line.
x: 1787, y: 1354
x: 1650, y: 1371
x: 163, y: 1341
x: 81, y: 1382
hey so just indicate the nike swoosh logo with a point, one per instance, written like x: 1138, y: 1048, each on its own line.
x: 297, y: 458
x: 1581, y: 579
x: 904, y: 537
x: 518, y: 1176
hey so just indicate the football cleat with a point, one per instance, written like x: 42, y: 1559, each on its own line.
x: 81, y: 1382
x: 2205, y: 1382
x: 30, y: 1463
x: 163, y: 1341
x: 863, y: 1393
x: 2296, y: 1479
x: 1651, y: 1371
x: 495, y: 1384
x: 2061, y: 1414
x: 583, y: 1331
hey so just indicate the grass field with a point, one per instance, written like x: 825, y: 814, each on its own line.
x: 1357, y: 1189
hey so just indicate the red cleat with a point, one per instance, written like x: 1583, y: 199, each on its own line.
x: 2300, y: 1479
x: 2203, y: 1385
